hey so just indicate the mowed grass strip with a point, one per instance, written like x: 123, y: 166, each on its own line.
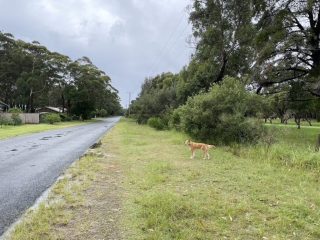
x: 11, y: 131
x: 161, y: 193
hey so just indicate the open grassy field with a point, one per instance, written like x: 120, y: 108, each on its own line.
x: 288, y: 146
x: 141, y: 184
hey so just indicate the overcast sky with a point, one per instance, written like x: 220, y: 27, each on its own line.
x: 127, y: 39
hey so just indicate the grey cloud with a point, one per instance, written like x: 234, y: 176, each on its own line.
x: 121, y: 37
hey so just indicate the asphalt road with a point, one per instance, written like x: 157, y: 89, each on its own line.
x: 29, y: 164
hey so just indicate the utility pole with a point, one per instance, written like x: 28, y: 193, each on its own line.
x: 129, y: 102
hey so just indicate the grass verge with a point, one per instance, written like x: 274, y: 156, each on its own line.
x: 141, y: 184
x: 11, y: 131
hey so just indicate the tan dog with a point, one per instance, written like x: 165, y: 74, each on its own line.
x: 203, y: 146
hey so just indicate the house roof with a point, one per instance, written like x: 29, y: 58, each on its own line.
x: 3, y: 104
x: 54, y: 109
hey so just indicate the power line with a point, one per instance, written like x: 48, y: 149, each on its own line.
x: 166, y: 43
x: 169, y: 49
x: 172, y: 46
x: 176, y: 58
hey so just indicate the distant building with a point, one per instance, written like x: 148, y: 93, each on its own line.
x: 49, y: 110
x: 2, y: 105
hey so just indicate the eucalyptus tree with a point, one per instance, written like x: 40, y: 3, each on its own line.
x: 192, y: 80
x: 90, y: 85
x: 158, y: 82
x: 300, y: 102
x: 9, y: 67
x: 31, y: 76
x: 107, y: 96
x: 111, y: 102
x: 222, y: 35
x: 277, y: 103
x: 80, y: 87
x: 156, y: 99
x: 62, y: 80
x: 36, y: 75
x: 58, y: 72
x: 288, y: 43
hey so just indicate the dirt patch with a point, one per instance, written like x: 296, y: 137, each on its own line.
x: 98, y: 217
x: 96, y: 145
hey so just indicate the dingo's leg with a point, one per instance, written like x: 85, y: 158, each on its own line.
x: 192, y: 153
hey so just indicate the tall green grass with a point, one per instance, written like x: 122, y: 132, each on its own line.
x: 288, y: 146
x: 256, y: 194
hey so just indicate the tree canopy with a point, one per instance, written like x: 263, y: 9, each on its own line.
x: 287, y: 43
x: 265, y: 46
x: 31, y: 77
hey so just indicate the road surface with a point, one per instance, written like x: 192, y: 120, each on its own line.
x: 29, y: 164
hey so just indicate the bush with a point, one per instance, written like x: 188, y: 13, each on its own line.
x: 16, y: 120
x: 103, y: 113
x: 52, y: 118
x: 155, y: 123
x: 4, y: 120
x: 234, y: 128
x: 223, y: 115
x: 65, y: 118
x: 94, y: 114
x: 15, y: 110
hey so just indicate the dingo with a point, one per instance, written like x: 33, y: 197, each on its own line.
x: 203, y: 146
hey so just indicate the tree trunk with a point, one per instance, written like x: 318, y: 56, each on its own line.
x: 309, y: 121
x: 69, y: 107
x: 63, y: 102
x: 30, y: 101
x: 317, y: 143
x: 297, y: 120
x: 222, y: 70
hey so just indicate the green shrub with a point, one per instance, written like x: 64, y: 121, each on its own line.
x: 4, y: 121
x: 52, y: 118
x: 155, y: 123
x: 235, y: 128
x: 223, y: 115
x: 15, y: 110
x: 15, y: 119
x: 41, y: 118
x: 103, y: 113
x: 65, y: 118
x: 94, y: 114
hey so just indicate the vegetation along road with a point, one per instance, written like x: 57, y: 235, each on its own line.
x: 141, y: 184
x: 30, y: 163
x: 253, y: 62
